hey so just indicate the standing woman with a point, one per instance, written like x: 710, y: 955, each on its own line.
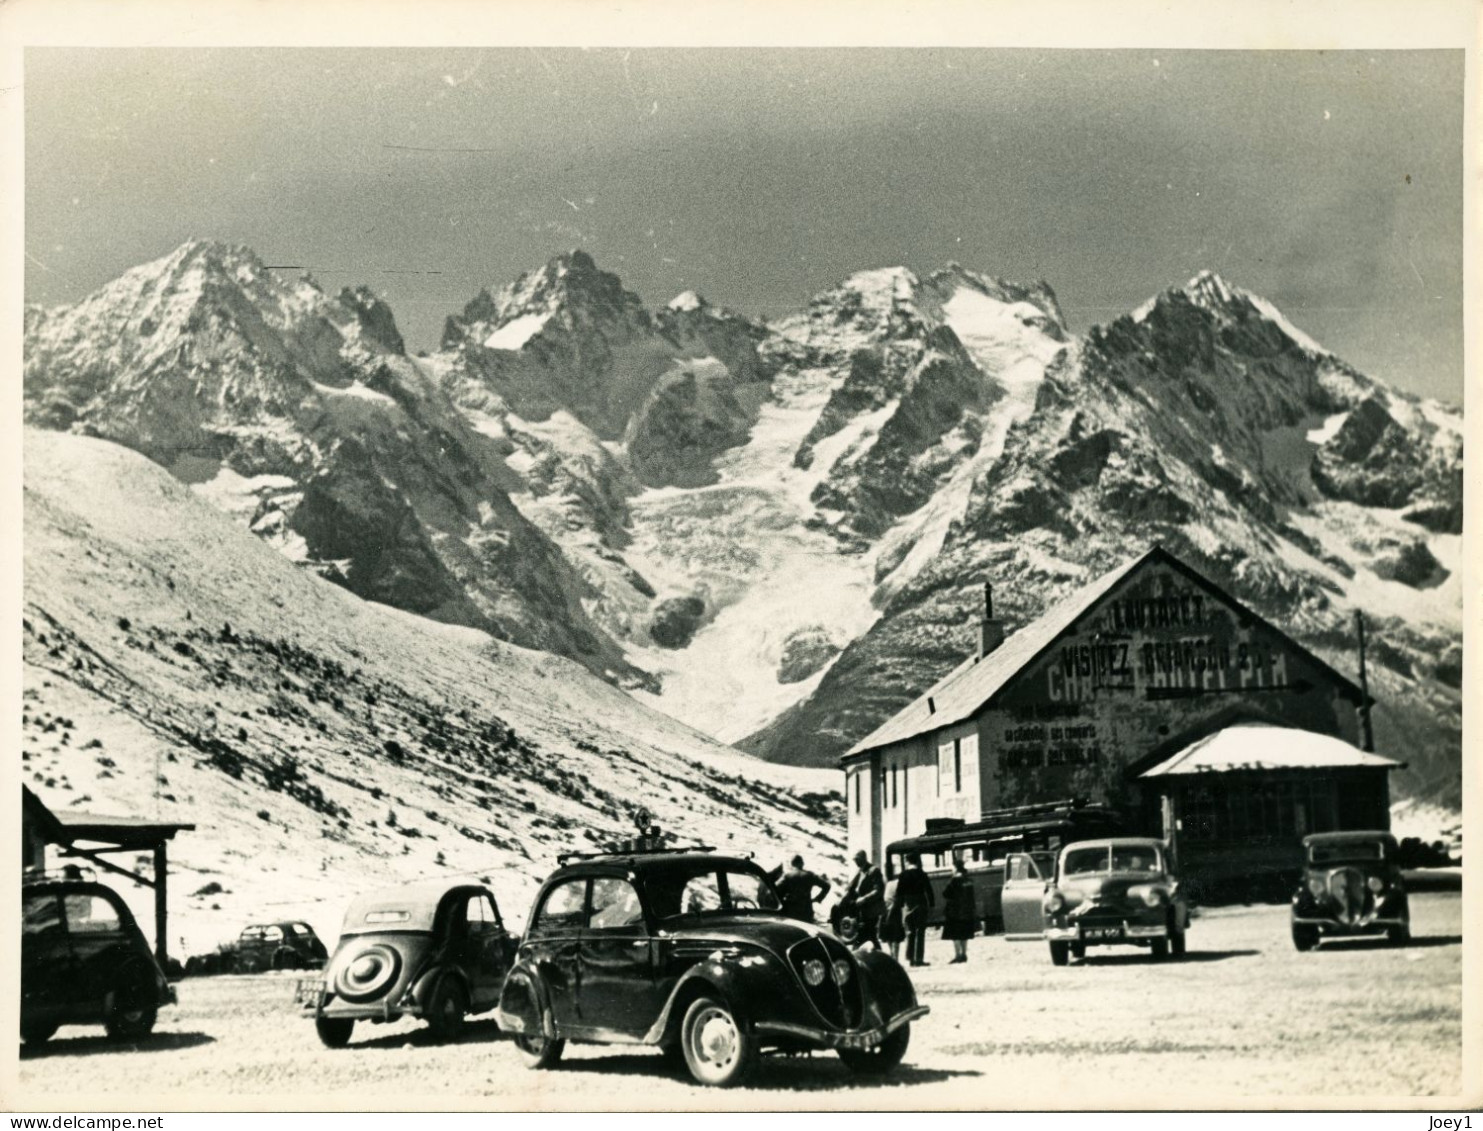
x: 893, y: 932
x: 959, y: 911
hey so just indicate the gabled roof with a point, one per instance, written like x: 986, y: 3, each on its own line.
x: 960, y: 693
x: 1258, y: 746
x: 970, y: 686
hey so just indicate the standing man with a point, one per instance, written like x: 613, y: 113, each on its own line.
x: 914, y: 892
x: 865, y: 899
x: 796, y: 888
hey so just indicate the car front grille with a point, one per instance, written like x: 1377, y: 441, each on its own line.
x: 1350, y: 898
x: 839, y: 1004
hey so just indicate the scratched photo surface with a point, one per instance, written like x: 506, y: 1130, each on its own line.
x: 804, y: 577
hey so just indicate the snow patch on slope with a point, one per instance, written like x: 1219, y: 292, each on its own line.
x: 516, y: 332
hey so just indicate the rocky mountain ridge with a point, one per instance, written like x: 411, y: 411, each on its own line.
x: 777, y: 532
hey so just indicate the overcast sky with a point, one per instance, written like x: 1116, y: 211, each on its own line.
x: 1331, y: 183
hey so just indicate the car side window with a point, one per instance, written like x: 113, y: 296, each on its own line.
x: 273, y: 934
x: 41, y: 916
x: 564, y: 907
x: 1022, y: 867
x: 615, y: 904
x: 480, y: 913
x: 90, y: 914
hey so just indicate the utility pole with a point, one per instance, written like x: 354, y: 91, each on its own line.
x: 1366, y: 732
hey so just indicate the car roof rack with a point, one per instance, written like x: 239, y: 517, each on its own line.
x: 651, y: 841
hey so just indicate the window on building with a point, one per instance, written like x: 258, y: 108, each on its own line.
x: 957, y: 765
x: 855, y: 782
x: 895, y: 796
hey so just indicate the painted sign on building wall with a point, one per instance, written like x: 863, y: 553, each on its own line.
x: 1156, y: 659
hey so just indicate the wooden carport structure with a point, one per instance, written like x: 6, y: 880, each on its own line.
x: 92, y: 838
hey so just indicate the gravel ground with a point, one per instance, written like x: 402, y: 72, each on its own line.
x: 1242, y: 1017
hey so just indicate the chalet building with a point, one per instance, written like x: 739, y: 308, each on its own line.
x: 1152, y: 691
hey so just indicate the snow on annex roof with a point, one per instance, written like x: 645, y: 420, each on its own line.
x: 967, y: 688
x: 1261, y: 746
x: 972, y: 683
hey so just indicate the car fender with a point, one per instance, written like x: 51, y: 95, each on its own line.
x: 888, y: 983
x: 737, y: 980
x: 422, y: 985
x: 525, y: 1002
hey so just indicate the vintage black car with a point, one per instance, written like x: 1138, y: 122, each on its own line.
x: 432, y: 949
x: 84, y: 961
x: 689, y: 952
x: 1114, y: 891
x: 286, y: 945
x: 1351, y: 885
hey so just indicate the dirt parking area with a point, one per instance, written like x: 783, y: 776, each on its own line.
x: 1242, y: 1016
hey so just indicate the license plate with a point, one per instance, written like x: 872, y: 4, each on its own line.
x: 861, y: 1040
x: 1102, y: 932
x: 308, y: 991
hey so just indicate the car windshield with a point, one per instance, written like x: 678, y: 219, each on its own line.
x: 1347, y: 851
x: 699, y: 887
x: 1111, y: 858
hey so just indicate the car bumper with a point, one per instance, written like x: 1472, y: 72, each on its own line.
x: 842, y: 1038
x: 1094, y: 933
x: 1336, y: 927
x: 314, y: 1000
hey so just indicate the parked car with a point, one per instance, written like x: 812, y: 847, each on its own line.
x: 433, y: 950
x: 84, y: 961
x: 689, y: 952
x: 1113, y: 891
x: 289, y: 945
x: 1351, y: 885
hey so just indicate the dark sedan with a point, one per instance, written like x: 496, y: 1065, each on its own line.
x: 690, y: 952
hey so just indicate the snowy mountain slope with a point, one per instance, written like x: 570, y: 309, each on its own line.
x: 779, y: 530
x: 1202, y: 422
x: 175, y: 665
x: 300, y: 413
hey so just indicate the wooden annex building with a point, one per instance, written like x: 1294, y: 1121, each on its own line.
x: 1152, y: 691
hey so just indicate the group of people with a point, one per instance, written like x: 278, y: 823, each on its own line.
x: 890, y: 912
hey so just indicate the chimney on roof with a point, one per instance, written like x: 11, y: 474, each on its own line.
x: 990, y: 631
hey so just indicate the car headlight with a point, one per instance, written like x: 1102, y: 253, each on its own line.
x: 814, y: 971
x: 1316, y: 886
x: 841, y: 970
x: 1055, y: 901
x: 1375, y: 884
x: 1153, y: 896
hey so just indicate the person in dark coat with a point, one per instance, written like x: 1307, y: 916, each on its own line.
x: 959, y: 910
x: 796, y: 888
x: 865, y: 899
x: 914, y: 891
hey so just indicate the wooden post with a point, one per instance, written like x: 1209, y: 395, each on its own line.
x: 1366, y: 732
x: 161, y: 947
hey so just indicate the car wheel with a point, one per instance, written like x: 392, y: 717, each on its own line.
x: 881, y: 1059
x: 1304, y: 937
x: 1159, y: 948
x: 1060, y: 953
x: 334, y: 1032
x: 538, y: 1051
x: 1078, y: 950
x: 1399, y: 935
x: 37, y: 1033
x: 281, y: 961
x: 445, y: 1009
x: 718, y: 1048
x: 132, y: 1012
